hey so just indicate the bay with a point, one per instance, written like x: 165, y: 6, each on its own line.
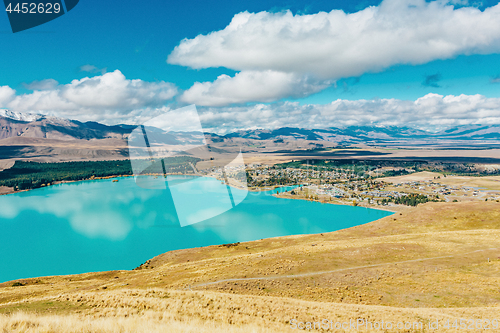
x: 102, y: 225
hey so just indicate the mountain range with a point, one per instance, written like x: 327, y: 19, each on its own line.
x: 15, y: 124
x: 26, y: 125
x: 374, y: 134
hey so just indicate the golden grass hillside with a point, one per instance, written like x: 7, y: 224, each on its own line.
x: 435, y: 261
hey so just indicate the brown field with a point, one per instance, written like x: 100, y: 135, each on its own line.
x: 487, y: 156
x: 435, y: 261
x: 488, y: 183
x: 414, y: 177
x: 51, y: 150
x: 485, y: 182
x: 256, y: 151
x: 6, y: 164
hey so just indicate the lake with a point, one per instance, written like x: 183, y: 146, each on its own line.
x: 103, y: 225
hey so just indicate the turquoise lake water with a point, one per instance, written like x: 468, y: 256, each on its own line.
x: 103, y: 225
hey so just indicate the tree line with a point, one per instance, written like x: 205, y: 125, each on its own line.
x: 28, y: 175
x: 412, y: 199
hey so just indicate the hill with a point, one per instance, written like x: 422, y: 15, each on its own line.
x: 467, y: 135
x: 15, y: 124
x: 437, y: 261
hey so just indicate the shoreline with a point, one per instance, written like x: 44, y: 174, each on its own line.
x: 250, y: 189
x: 59, y: 182
x: 336, y: 203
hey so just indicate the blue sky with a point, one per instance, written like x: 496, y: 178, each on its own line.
x: 137, y: 40
x: 130, y: 40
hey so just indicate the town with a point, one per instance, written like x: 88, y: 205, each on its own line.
x: 361, y: 184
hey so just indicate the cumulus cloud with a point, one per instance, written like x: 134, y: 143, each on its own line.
x: 335, y: 45
x: 6, y: 95
x: 429, y: 111
x: 252, y: 86
x: 108, y: 98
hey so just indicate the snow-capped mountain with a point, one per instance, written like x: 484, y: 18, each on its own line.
x: 17, y: 124
x: 28, y: 117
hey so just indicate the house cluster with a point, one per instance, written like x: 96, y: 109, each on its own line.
x: 448, y: 191
x: 299, y: 175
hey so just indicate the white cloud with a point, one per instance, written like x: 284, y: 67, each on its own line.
x: 429, y: 111
x: 113, y: 99
x: 108, y: 98
x: 47, y: 84
x: 337, y: 45
x: 6, y: 95
x: 251, y: 86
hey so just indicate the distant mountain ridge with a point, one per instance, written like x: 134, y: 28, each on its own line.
x: 16, y: 124
x: 373, y: 134
x: 20, y: 116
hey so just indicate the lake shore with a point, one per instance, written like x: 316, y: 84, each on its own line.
x: 383, y: 269
x: 8, y: 190
x: 4, y: 190
x: 121, y: 214
x: 343, y: 203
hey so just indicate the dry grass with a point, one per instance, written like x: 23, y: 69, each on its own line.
x: 487, y: 183
x: 438, y: 260
x: 6, y: 164
x: 145, y: 323
x: 414, y: 177
x: 156, y: 310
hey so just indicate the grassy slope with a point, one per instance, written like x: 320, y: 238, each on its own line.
x: 426, y: 262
